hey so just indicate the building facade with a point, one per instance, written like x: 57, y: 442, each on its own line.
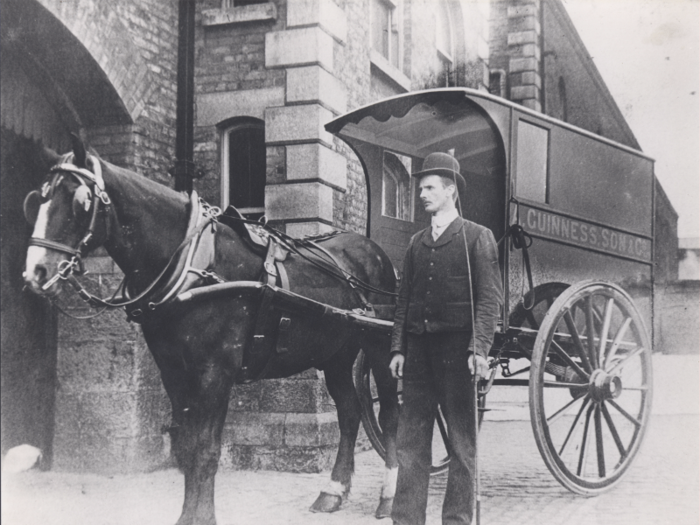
x: 268, y: 77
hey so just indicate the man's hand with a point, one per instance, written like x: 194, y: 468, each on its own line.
x: 396, y: 366
x: 482, y: 367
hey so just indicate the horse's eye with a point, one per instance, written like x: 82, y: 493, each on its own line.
x: 82, y: 200
x: 32, y: 203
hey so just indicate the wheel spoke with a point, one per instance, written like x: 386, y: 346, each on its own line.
x: 566, y: 357
x: 617, y: 340
x: 562, y: 384
x: 604, y: 331
x: 590, y: 331
x: 573, y: 425
x: 613, y: 431
x: 584, y: 443
x: 624, y: 412
x: 600, y: 448
x: 626, y: 360
x: 571, y: 325
x: 554, y: 417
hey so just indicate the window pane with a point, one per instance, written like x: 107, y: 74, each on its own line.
x: 531, y: 182
x: 247, y: 167
x: 396, y: 187
x: 380, y: 27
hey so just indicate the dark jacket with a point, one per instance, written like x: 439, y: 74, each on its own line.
x: 434, y: 293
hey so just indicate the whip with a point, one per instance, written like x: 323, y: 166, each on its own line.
x: 476, y: 487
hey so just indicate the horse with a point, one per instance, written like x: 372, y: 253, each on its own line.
x: 203, y: 347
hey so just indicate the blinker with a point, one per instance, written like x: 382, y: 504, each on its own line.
x: 32, y: 203
x: 82, y: 200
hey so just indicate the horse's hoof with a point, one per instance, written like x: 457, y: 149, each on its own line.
x: 384, y: 508
x: 326, y: 503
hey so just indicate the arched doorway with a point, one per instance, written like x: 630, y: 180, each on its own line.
x: 50, y: 86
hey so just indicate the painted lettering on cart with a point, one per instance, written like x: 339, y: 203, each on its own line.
x: 584, y: 234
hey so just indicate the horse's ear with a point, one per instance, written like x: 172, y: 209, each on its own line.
x: 79, y: 151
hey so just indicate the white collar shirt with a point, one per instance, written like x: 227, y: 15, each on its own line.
x: 441, y: 222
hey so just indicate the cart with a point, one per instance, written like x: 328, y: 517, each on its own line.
x: 574, y: 213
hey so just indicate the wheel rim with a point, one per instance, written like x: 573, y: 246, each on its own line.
x: 588, y: 435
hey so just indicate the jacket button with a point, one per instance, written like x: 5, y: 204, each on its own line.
x: 430, y: 278
x: 432, y: 264
x: 428, y: 292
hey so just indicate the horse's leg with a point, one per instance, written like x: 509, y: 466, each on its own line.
x: 199, y: 440
x: 388, y: 421
x: 338, y: 374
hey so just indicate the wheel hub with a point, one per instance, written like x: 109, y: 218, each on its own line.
x: 603, y: 386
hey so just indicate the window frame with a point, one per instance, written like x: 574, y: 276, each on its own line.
x: 395, y: 26
x: 226, y: 128
x: 408, y: 186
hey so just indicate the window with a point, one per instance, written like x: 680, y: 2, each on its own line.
x: 396, y: 187
x: 244, y: 165
x: 531, y: 170
x: 385, y: 30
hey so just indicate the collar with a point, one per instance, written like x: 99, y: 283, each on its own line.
x: 454, y: 227
x: 444, y: 219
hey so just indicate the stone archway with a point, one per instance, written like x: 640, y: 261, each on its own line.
x: 51, y: 84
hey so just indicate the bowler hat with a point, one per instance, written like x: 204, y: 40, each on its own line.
x: 444, y: 165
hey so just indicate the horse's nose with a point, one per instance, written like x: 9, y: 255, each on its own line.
x: 37, y: 277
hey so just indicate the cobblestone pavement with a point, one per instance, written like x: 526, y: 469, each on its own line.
x: 662, y: 487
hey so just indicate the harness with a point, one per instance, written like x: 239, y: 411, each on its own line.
x: 192, y: 263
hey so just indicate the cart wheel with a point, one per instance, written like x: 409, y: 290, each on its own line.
x: 588, y: 435
x: 369, y: 401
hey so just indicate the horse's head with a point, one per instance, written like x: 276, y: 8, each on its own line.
x: 64, y: 212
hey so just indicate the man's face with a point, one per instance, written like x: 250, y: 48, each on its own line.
x: 435, y: 195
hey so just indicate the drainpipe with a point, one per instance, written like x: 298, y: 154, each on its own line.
x: 184, y: 170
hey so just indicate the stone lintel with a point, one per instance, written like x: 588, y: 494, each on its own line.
x: 241, y: 14
x: 212, y: 108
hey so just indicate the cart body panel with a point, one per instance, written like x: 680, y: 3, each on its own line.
x: 587, y: 202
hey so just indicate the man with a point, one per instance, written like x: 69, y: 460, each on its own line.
x: 432, y: 348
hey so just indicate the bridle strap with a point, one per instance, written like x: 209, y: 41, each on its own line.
x: 53, y: 245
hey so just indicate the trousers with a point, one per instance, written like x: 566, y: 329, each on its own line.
x: 436, y: 372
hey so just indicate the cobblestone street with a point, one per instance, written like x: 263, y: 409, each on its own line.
x: 661, y: 487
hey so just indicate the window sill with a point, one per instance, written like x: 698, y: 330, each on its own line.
x: 239, y: 15
x: 383, y: 65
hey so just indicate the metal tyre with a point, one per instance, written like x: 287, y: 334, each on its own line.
x: 590, y: 386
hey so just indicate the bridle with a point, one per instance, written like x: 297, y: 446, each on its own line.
x: 93, y: 183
